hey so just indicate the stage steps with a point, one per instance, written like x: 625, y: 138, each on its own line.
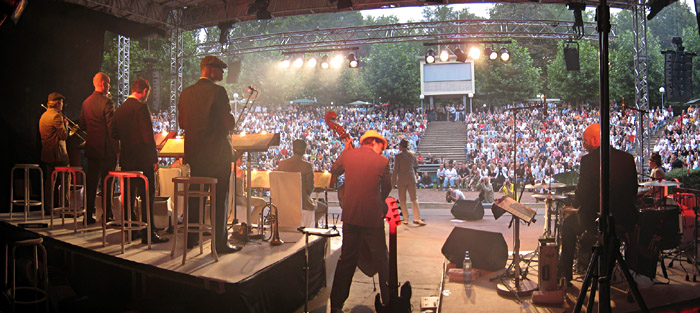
x: 444, y: 140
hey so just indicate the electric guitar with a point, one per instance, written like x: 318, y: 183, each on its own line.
x: 397, y: 303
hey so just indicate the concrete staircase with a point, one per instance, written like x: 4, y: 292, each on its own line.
x: 444, y: 140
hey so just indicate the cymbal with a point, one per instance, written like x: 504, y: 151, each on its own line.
x: 665, y: 183
x: 556, y: 185
x: 531, y: 186
x: 642, y: 190
x: 540, y: 196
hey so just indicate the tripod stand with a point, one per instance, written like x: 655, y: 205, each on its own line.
x: 593, y: 271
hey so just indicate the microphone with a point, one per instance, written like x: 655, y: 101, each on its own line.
x: 251, y: 89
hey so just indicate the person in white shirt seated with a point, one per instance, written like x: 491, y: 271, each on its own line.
x: 454, y: 194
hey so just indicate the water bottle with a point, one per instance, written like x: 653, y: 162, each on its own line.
x: 467, y: 268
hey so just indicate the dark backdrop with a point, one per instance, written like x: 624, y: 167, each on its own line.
x: 53, y: 47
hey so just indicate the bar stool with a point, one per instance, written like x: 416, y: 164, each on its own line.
x: 125, y: 185
x: 200, y: 227
x: 26, y: 201
x: 68, y: 180
x: 35, y: 289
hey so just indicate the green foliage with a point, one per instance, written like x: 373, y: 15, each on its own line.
x: 690, y: 179
x: 499, y: 83
x: 445, y: 13
x: 393, y: 73
x: 576, y: 87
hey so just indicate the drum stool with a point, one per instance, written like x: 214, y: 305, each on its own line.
x: 68, y: 179
x: 125, y: 185
x: 34, y: 289
x: 200, y: 227
x: 26, y: 201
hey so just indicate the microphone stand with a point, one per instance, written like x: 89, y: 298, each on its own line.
x: 243, y: 115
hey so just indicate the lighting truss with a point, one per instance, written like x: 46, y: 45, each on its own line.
x: 123, y: 69
x: 176, y: 60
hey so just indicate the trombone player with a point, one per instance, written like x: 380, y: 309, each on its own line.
x: 53, y: 131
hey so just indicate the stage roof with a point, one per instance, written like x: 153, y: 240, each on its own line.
x: 205, y: 13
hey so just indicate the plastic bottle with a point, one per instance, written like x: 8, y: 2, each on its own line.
x: 467, y: 268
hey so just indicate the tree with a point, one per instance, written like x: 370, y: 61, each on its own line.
x: 445, y: 13
x: 575, y: 86
x: 499, y: 83
x: 393, y: 72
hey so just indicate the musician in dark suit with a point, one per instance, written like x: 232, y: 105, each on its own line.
x: 134, y: 129
x: 623, y: 192
x: 367, y: 184
x: 100, y: 148
x: 205, y: 115
x: 53, y: 143
x: 296, y: 163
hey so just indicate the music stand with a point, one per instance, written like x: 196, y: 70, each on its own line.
x: 516, y: 287
x: 173, y: 147
x: 321, y: 232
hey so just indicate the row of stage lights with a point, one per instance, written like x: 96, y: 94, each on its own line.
x: 325, y: 62
x: 473, y: 53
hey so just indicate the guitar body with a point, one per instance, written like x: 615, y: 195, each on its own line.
x: 398, y: 302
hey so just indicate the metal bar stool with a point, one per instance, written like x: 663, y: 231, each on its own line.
x: 200, y: 227
x: 125, y: 185
x: 68, y: 180
x: 34, y: 289
x: 26, y: 201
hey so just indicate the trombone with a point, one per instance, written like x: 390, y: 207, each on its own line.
x: 73, y: 128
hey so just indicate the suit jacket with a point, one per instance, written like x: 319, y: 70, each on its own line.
x: 133, y: 127
x: 205, y: 115
x: 404, y: 174
x: 297, y: 164
x: 53, y: 137
x: 623, y: 188
x: 367, y: 184
x: 96, y: 119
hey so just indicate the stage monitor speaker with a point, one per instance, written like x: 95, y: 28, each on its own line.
x: 468, y: 210
x: 234, y: 70
x: 488, y: 250
x: 571, y: 59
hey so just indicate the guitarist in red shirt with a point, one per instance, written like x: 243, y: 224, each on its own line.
x: 367, y: 185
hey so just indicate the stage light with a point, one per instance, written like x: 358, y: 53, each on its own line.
x: 444, y: 55
x: 324, y: 62
x: 260, y: 9
x: 298, y: 62
x: 430, y: 56
x: 491, y: 54
x: 505, y: 55
x: 344, y: 4
x: 284, y: 63
x: 337, y: 61
x: 311, y: 63
x: 461, y: 57
x: 352, y: 61
x: 474, y: 53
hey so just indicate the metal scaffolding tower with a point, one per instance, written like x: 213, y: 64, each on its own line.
x: 123, y: 69
x: 641, y: 73
x: 176, y: 58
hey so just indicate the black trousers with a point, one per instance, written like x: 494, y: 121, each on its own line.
x: 222, y: 173
x: 356, y: 239
x: 97, y: 170
x: 138, y: 188
x: 48, y: 168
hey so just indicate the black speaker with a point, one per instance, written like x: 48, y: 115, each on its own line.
x: 487, y: 250
x: 234, y: 70
x: 571, y: 59
x: 468, y: 210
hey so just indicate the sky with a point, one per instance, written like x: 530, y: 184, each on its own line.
x: 480, y: 9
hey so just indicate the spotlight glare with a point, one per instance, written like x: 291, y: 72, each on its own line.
x: 324, y: 62
x: 311, y: 63
x: 430, y: 56
x: 491, y: 54
x: 353, y: 62
x: 298, y: 62
x: 505, y: 55
x: 285, y: 63
x: 444, y: 55
x: 474, y: 53
x: 337, y: 61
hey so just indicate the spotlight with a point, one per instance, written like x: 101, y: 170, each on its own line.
x: 324, y: 62
x: 285, y: 63
x: 505, y: 55
x: 260, y: 7
x: 337, y: 61
x: 311, y: 63
x: 343, y: 4
x: 491, y: 54
x: 444, y: 55
x: 353, y: 62
x: 298, y: 62
x: 474, y: 53
x: 430, y: 56
x: 461, y: 57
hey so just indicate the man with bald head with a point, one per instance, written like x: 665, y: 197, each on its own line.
x: 623, y: 192
x: 100, y: 148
